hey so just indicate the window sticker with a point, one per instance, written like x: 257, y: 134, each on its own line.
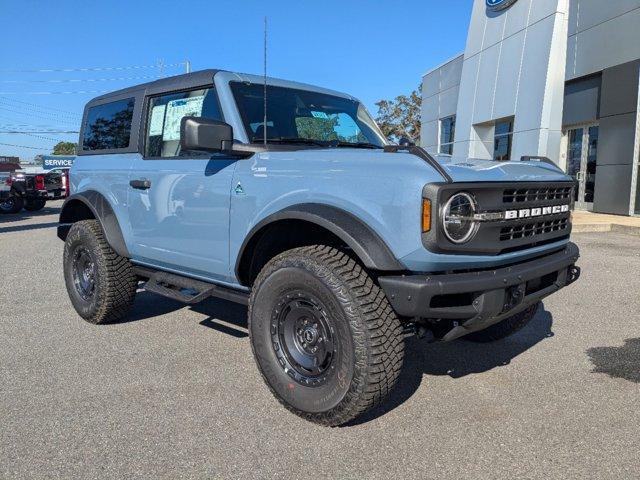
x: 176, y: 110
x: 320, y: 115
x: 157, y: 120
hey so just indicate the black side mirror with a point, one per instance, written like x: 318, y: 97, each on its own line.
x: 406, y: 142
x: 198, y: 133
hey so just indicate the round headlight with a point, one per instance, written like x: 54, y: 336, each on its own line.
x: 458, y: 218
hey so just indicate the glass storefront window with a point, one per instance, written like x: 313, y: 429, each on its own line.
x: 503, y: 139
x: 447, y: 134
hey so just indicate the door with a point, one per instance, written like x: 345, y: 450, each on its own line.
x: 179, y: 201
x: 582, y: 155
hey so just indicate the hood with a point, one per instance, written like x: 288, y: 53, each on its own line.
x: 478, y: 170
x: 376, y: 163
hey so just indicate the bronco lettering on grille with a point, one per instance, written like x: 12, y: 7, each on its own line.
x: 535, y: 212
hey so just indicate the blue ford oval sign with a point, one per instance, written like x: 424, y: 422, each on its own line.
x: 497, y: 5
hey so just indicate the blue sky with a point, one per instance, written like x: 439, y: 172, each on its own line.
x: 371, y: 49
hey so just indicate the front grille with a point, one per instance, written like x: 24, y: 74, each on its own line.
x: 521, y: 195
x: 530, y: 223
x: 533, y: 229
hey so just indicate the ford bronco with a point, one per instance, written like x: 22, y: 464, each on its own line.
x: 287, y: 198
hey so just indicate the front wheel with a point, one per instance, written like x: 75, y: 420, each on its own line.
x: 101, y: 284
x: 323, y: 334
x: 11, y: 204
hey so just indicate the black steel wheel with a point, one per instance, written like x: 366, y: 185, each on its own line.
x: 303, y: 338
x: 323, y: 334
x: 84, y: 273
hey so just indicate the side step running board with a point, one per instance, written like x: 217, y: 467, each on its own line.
x: 187, y: 290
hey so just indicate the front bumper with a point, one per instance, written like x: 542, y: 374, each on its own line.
x: 477, y: 300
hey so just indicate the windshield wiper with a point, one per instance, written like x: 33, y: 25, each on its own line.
x: 320, y: 143
x: 291, y: 140
x: 339, y: 143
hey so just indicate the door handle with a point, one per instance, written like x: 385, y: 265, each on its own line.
x: 140, y: 184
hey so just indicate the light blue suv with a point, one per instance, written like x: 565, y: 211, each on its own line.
x: 287, y: 198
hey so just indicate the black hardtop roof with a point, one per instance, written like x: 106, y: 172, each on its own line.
x: 177, y: 82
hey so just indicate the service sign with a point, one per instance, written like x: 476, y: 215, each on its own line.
x: 51, y: 162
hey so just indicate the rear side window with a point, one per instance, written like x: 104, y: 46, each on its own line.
x: 165, y: 114
x: 108, y: 126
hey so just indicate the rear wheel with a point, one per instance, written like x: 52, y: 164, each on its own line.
x: 506, y: 327
x: 323, y: 334
x: 101, y: 284
x: 11, y: 204
x: 35, y: 205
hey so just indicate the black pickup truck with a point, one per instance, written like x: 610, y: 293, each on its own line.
x: 31, y: 190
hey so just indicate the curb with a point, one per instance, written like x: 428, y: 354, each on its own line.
x: 606, y: 227
x: 591, y: 228
x: 629, y: 230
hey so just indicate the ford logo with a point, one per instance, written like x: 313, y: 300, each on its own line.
x: 497, y: 5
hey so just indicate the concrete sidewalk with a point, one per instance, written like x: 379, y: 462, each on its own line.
x: 598, y: 222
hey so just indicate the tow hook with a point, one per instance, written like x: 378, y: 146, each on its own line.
x: 573, y: 274
x: 412, y: 329
x: 513, y: 297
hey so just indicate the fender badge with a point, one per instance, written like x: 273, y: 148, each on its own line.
x: 239, y: 190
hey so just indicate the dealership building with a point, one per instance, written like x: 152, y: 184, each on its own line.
x: 552, y: 78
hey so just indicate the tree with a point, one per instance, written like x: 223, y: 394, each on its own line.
x: 401, y: 116
x: 65, y: 148
x: 322, y: 129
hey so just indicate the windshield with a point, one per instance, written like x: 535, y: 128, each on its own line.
x: 303, y: 116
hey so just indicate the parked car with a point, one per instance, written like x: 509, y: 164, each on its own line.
x: 340, y: 243
x: 5, y: 188
x: 31, y: 191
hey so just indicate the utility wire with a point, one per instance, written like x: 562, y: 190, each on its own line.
x: 89, y: 69
x: 29, y: 132
x: 76, y: 92
x: 40, y: 106
x: 81, y: 80
x: 24, y: 146
x: 39, y: 136
x: 44, y: 115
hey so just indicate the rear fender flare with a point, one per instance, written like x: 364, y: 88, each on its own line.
x: 102, y: 211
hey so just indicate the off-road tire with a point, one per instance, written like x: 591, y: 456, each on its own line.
x: 505, y: 328
x: 114, y: 281
x: 34, y: 205
x: 368, y: 334
x: 12, y: 204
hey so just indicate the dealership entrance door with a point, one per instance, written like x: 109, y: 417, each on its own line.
x: 582, y: 153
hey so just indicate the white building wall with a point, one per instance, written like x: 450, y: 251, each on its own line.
x: 602, y: 34
x: 514, y: 65
x: 439, y: 100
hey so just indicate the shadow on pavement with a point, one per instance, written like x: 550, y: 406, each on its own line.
x: 618, y: 362
x: 458, y: 359
x: 223, y: 316
x: 26, y: 228
x: 26, y: 215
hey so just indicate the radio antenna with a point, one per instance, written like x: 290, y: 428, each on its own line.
x: 264, y: 124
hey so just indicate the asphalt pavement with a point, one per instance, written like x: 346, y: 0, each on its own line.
x: 173, y: 392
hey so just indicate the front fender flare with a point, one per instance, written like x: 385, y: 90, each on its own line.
x: 364, y: 241
x: 102, y: 211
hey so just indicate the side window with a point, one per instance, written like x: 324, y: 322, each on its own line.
x: 165, y: 112
x: 108, y: 126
